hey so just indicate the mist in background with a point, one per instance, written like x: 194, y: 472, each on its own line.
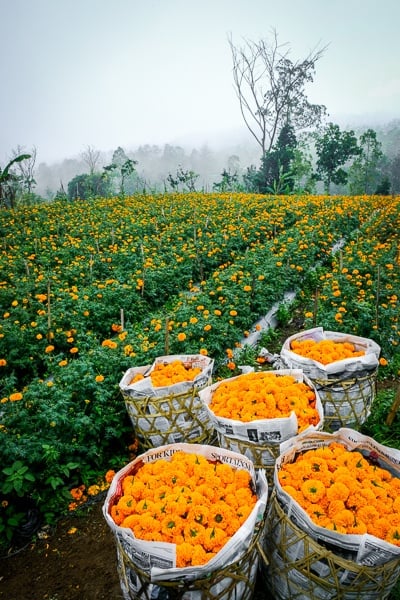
x: 159, y: 74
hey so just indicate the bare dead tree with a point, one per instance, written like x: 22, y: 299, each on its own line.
x: 91, y: 157
x: 271, y: 88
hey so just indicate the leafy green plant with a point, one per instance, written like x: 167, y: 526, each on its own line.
x: 376, y: 425
x: 18, y: 479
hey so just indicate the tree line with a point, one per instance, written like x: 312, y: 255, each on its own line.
x: 299, y: 149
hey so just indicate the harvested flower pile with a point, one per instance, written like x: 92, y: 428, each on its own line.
x: 265, y: 395
x: 165, y: 374
x: 325, y: 351
x: 342, y: 491
x: 188, y: 501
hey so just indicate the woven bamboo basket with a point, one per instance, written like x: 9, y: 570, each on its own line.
x: 298, y: 567
x: 237, y: 580
x: 172, y: 414
x: 230, y: 575
x: 347, y: 388
x: 347, y: 402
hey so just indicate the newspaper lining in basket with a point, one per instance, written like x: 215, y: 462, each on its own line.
x: 147, y: 569
x: 171, y: 414
x: 346, y: 387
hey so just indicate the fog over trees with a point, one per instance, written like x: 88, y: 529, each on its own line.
x: 292, y: 147
x: 155, y: 163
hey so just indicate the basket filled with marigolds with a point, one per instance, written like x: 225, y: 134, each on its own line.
x: 255, y: 412
x: 343, y: 368
x: 188, y: 520
x: 162, y: 400
x: 333, y: 519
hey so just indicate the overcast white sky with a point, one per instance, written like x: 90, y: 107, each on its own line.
x: 129, y: 72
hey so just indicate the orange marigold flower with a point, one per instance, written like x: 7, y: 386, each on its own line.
x: 393, y: 535
x: 109, y: 475
x: 344, y: 518
x: 200, y: 556
x: 109, y: 344
x: 338, y: 491
x: 184, y: 554
x: 313, y: 490
x: 72, y: 530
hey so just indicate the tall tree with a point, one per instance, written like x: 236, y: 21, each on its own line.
x: 275, y: 171
x: 86, y: 186
x: 121, y: 167
x: 365, y: 174
x: 394, y: 174
x: 271, y: 88
x: 334, y: 149
x: 187, y: 179
x: 91, y: 157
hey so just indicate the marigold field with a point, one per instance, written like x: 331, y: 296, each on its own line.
x: 90, y: 289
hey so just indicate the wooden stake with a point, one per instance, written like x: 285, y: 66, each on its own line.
x: 49, y: 334
x: 315, y: 307
x: 166, y: 343
x: 378, y: 285
x: 394, y: 408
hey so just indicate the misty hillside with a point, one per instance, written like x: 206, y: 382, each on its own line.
x: 155, y: 163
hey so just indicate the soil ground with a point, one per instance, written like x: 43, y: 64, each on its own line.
x: 65, y: 566
x: 78, y: 566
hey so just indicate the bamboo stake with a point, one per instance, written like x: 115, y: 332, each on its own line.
x: 166, y: 343
x: 122, y: 319
x: 49, y: 334
x: 315, y: 306
x: 394, y: 408
x: 378, y: 284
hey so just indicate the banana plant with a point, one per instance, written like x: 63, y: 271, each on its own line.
x: 7, y: 177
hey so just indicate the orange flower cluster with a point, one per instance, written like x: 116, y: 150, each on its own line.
x: 325, y: 351
x: 81, y: 494
x: 265, y: 395
x: 342, y: 491
x: 188, y: 501
x: 165, y: 374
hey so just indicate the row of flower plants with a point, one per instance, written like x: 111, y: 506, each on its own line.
x: 90, y: 289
